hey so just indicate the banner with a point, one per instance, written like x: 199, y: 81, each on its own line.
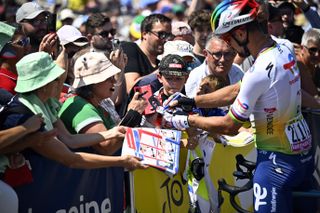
x: 156, y: 192
x: 223, y: 164
x: 59, y: 189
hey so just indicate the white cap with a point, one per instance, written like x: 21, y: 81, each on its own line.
x: 28, y: 10
x: 93, y: 68
x: 67, y: 13
x: 68, y: 34
x: 178, y: 47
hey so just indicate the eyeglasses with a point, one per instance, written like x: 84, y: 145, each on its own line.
x: 106, y: 33
x: 313, y: 50
x: 22, y: 42
x: 218, y: 55
x: 38, y: 21
x: 163, y: 35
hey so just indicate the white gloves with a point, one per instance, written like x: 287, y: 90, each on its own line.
x: 179, y: 122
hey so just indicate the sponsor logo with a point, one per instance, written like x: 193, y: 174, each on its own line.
x: 243, y: 105
x: 289, y: 66
x: 270, y: 110
x: 87, y: 207
x: 294, y: 80
x: 274, y: 199
x: 270, y: 124
x: 234, y: 22
x: 259, y: 194
x: 175, y: 66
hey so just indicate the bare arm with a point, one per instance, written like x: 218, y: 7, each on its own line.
x: 131, y: 78
x: 215, y: 125
x: 310, y: 101
x: 219, y: 98
x: 85, y: 140
x: 57, y: 151
x: 119, y: 59
x: 107, y: 147
x: 9, y: 136
x: 30, y: 140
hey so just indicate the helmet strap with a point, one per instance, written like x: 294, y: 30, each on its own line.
x: 243, y: 44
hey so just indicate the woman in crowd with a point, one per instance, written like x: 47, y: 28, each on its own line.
x: 94, y: 81
x: 36, y: 85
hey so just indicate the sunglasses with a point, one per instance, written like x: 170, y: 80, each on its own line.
x: 313, y: 50
x: 22, y: 42
x: 106, y: 33
x: 163, y: 35
x: 218, y: 55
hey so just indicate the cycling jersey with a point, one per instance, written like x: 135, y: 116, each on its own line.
x: 270, y: 95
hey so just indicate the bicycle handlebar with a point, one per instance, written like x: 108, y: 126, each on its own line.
x: 233, y: 192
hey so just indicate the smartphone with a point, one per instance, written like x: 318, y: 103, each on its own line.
x: 51, y: 23
x: 115, y: 44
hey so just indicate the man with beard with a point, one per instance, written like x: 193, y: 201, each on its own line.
x: 142, y: 58
x: 219, y: 58
x: 100, y: 32
x: 34, y: 21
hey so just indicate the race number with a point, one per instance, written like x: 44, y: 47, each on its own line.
x: 298, y: 134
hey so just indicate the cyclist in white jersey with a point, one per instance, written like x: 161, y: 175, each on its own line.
x: 270, y: 95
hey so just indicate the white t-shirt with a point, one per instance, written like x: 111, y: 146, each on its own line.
x: 196, y: 75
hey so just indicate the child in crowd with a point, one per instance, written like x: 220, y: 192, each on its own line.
x: 173, y: 74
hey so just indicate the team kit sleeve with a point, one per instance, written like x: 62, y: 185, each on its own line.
x: 254, y: 83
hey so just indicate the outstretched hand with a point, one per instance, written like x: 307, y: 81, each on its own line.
x: 132, y: 163
x: 117, y: 133
x: 179, y: 122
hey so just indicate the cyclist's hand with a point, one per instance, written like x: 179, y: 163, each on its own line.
x: 179, y: 122
x: 185, y: 103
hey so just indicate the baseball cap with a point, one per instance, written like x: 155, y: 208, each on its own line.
x: 145, y: 3
x: 173, y: 65
x: 178, y: 8
x: 6, y: 33
x: 35, y: 71
x: 69, y: 34
x: 180, y: 28
x: 66, y: 13
x: 28, y: 10
x: 274, y: 13
x: 93, y: 68
x: 178, y: 47
x: 283, y: 4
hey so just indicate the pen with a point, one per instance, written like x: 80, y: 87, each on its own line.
x: 173, y: 99
x: 142, y: 94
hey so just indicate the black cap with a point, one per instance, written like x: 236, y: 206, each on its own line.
x: 283, y: 4
x: 173, y: 65
x: 274, y: 13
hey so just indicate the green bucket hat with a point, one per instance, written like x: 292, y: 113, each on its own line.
x: 6, y: 33
x: 35, y: 71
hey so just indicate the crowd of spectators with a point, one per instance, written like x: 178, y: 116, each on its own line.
x: 71, y: 70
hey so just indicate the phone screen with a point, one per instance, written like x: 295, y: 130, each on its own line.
x: 51, y: 23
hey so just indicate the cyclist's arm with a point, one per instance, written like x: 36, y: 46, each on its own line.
x: 219, y: 98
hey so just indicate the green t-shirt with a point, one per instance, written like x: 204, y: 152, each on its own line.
x: 77, y: 113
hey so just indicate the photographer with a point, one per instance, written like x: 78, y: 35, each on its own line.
x: 35, y: 22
